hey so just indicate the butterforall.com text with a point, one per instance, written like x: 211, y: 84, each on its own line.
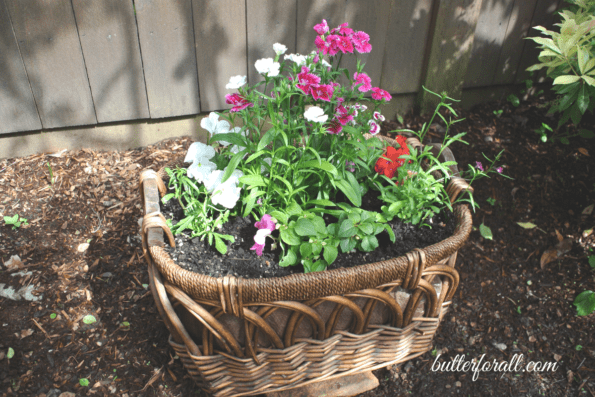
x: 459, y: 364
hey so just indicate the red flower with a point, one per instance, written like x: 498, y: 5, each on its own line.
x: 323, y: 92
x: 334, y: 127
x: 390, y: 161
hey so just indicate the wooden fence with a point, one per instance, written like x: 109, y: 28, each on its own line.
x: 84, y: 62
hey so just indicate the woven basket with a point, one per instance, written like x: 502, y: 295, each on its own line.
x: 239, y: 337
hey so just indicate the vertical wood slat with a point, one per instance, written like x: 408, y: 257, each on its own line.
x: 51, y: 51
x: 407, y: 38
x: 17, y: 110
x: 545, y: 11
x: 450, y: 46
x: 166, y: 36
x: 268, y: 22
x: 220, y: 35
x: 109, y: 39
x: 488, y: 41
x: 512, y: 47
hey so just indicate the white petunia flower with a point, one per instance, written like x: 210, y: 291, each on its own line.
x: 325, y: 63
x: 261, y: 235
x: 227, y: 195
x: 297, y: 58
x: 214, y: 125
x: 315, y: 114
x: 197, y: 151
x: 236, y: 82
x: 279, y: 48
x: 201, y: 169
x: 213, y: 181
x: 267, y: 66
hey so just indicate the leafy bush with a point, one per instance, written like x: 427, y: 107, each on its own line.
x: 569, y: 58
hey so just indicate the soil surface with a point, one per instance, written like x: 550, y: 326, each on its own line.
x: 81, y: 255
x: 200, y: 257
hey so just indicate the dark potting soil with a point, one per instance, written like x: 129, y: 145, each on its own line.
x: 198, y: 256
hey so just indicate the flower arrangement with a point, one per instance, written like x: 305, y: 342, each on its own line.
x: 300, y: 163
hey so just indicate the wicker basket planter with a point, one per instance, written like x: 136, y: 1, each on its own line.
x: 240, y: 337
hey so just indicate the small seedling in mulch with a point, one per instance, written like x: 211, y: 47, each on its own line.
x: 491, y: 201
x: 518, y: 309
x: 592, y: 261
x: 10, y: 353
x: 89, y: 319
x: 51, y: 174
x: 498, y: 113
x: 486, y: 232
x: 585, y: 303
x: 514, y: 100
x: 84, y: 382
x: 16, y: 221
x: 53, y: 316
x: 578, y: 348
x: 125, y: 324
x: 434, y: 352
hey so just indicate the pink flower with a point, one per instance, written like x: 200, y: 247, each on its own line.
x: 305, y: 80
x: 374, y: 127
x: 479, y: 166
x: 364, y: 80
x: 322, y: 45
x: 499, y: 169
x: 345, y: 45
x: 344, y: 30
x: 361, y: 42
x: 266, y: 222
x: 378, y: 116
x: 332, y: 45
x: 265, y: 227
x: 321, y: 28
x: 335, y: 127
x: 238, y: 102
x: 350, y: 166
x: 323, y: 92
x: 343, y: 115
x: 379, y: 94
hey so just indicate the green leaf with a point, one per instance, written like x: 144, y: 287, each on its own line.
x: 316, y: 248
x: 11, y: 220
x: 306, y: 250
x: 89, y: 319
x: 346, y: 229
x: 585, y: 303
x: 348, y: 244
x: 84, y: 382
x: 319, y: 224
x: 53, y: 316
x: 233, y: 163
x: 565, y: 141
x: 514, y: 100
x: 305, y: 227
x: 280, y: 216
x: 566, y: 79
x: 390, y: 232
x: 356, y: 188
x: 323, y: 165
x: 592, y: 261
x: 583, y: 100
x: 323, y: 202
x: 125, y: 324
x: 486, y: 232
x: 330, y: 253
x: 10, y: 353
x: 589, y: 80
x: 527, y: 225
x: 586, y: 134
x: 254, y: 180
x: 220, y: 245
x: 318, y: 266
x: 366, y: 228
x: 288, y: 236
x: 293, y: 209
x: 266, y: 139
x: 288, y: 260
x: 369, y: 243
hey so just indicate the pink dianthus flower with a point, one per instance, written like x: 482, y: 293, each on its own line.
x: 364, y: 80
x: 379, y: 94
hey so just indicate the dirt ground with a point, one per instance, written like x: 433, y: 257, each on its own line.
x: 81, y: 255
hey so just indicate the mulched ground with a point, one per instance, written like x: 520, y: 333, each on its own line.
x: 81, y: 252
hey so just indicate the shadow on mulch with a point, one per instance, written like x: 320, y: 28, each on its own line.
x: 81, y: 255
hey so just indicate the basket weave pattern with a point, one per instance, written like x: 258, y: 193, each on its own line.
x: 240, y: 336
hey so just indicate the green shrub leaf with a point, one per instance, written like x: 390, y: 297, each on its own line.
x: 585, y: 303
x: 486, y: 232
x: 566, y: 79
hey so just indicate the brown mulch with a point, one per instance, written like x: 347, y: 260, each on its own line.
x: 81, y: 255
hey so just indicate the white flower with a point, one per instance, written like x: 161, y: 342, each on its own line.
x: 297, y: 58
x: 325, y: 63
x: 378, y: 116
x: 201, y: 169
x: 236, y: 82
x: 199, y: 150
x: 267, y: 66
x: 214, y: 125
x: 213, y: 181
x: 261, y: 235
x: 279, y: 48
x: 227, y: 195
x: 315, y: 114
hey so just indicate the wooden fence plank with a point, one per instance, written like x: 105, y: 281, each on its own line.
x: 269, y: 22
x: 487, y: 45
x: 545, y: 11
x: 371, y: 17
x: 220, y: 35
x: 451, y: 43
x: 312, y: 12
x: 51, y: 51
x: 18, y: 111
x: 407, y: 37
x: 512, y: 47
x: 109, y: 39
x: 169, y: 58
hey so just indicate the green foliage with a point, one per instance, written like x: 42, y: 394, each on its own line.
x: 498, y: 112
x: 585, y: 303
x: 15, y: 221
x: 514, y: 100
x: 491, y: 201
x: 592, y: 261
x: 486, y: 232
x: 201, y: 217
x: 10, y: 353
x: 568, y: 55
x: 84, y: 382
x: 89, y: 319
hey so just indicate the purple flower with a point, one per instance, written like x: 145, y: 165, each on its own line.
x: 499, y: 169
x: 479, y: 166
x: 259, y: 201
x: 265, y: 227
x: 266, y: 223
